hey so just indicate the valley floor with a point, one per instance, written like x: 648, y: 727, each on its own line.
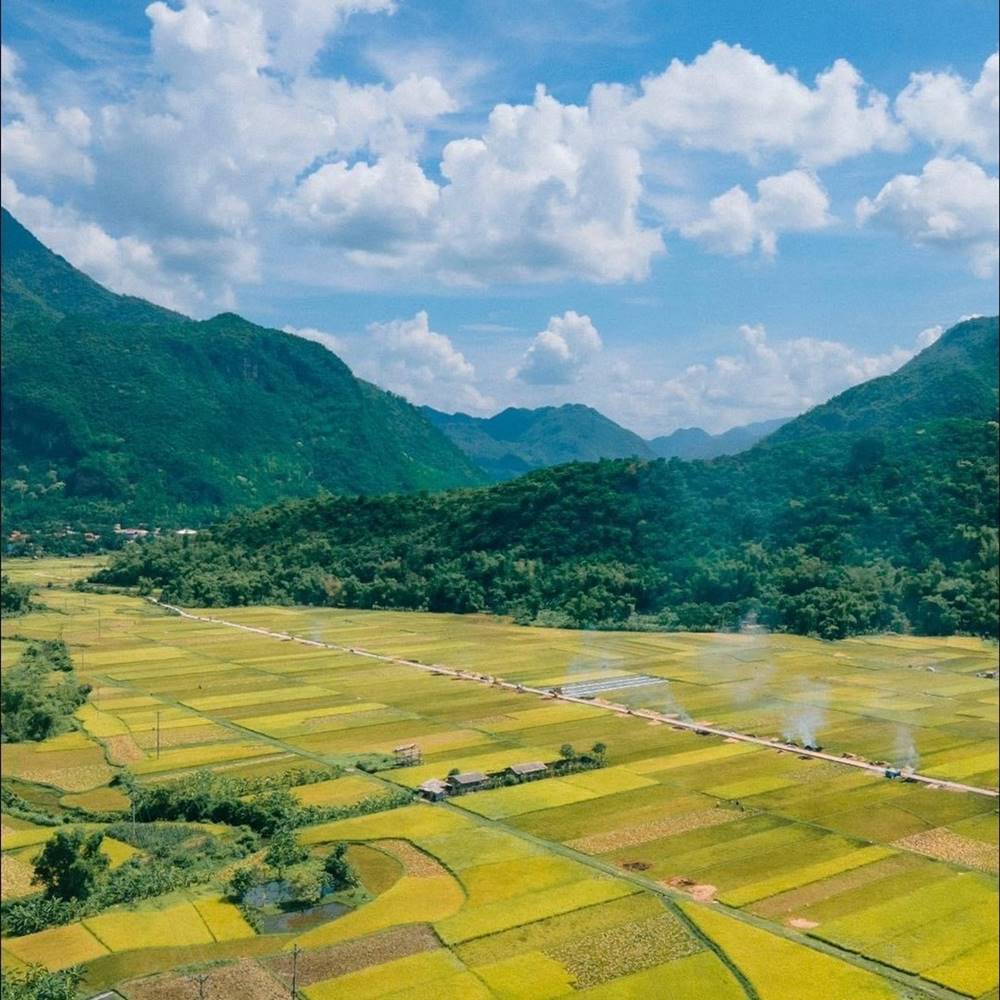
x: 690, y: 866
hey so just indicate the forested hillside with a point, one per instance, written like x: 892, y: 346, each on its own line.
x: 117, y: 410
x: 831, y: 531
x: 693, y: 442
x: 516, y: 440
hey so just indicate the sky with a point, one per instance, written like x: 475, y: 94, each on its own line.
x: 680, y: 214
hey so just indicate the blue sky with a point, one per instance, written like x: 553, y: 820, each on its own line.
x: 680, y: 214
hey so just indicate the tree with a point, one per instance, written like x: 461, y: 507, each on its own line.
x: 567, y: 752
x: 70, y: 864
x: 340, y: 871
x: 306, y: 883
x: 599, y: 750
x: 37, y: 983
x: 242, y: 881
x: 284, y: 851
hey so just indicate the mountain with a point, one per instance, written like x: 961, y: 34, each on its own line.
x: 693, y: 442
x: 516, y: 441
x: 117, y: 410
x: 954, y: 377
x: 885, y: 520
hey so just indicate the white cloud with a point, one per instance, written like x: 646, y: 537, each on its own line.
x: 380, y: 207
x: 126, y: 265
x: 953, y: 204
x: 409, y: 358
x: 546, y: 193
x: 735, y: 224
x: 48, y: 146
x: 559, y: 352
x: 732, y: 101
x: 950, y: 112
x: 931, y: 335
x: 759, y: 381
x: 329, y: 340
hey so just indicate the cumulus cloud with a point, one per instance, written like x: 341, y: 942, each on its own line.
x: 761, y: 380
x: 47, y: 145
x: 229, y: 120
x: 126, y: 265
x: 408, y: 357
x: 953, y: 204
x: 787, y: 203
x: 733, y: 101
x: 381, y: 206
x: 950, y: 112
x: 559, y: 353
x: 329, y: 340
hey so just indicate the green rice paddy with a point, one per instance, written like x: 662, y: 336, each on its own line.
x: 692, y: 863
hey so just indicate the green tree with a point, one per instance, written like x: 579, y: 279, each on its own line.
x: 340, y: 871
x: 71, y: 864
x: 284, y: 851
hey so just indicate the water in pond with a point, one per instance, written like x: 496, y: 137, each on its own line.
x: 276, y: 894
x: 301, y: 920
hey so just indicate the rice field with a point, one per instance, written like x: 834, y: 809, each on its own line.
x: 637, y: 879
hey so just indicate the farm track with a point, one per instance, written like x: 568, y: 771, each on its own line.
x: 639, y: 713
x: 670, y: 896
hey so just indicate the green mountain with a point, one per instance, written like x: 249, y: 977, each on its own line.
x: 516, y: 441
x: 117, y: 410
x: 889, y: 524
x: 693, y: 442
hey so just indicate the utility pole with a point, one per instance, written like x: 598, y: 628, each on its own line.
x: 133, y: 821
x: 201, y: 979
x: 295, y: 970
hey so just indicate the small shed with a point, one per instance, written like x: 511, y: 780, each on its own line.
x: 528, y: 771
x: 407, y: 755
x: 470, y: 781
x: 434, y: 790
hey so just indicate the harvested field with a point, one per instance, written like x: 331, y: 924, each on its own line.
x: 122, y: 750
x: 602, y: 843
x: 943, y: 844
x: 597, y: 958
x: 341, y: 959
x: 550, y: 933
x: 415, y: 862
x: 16, y: 876
x: 243, y: 980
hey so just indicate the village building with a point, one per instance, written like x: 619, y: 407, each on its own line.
x: 470, y: 781
x: 528, y: 771
x: 434, y: 790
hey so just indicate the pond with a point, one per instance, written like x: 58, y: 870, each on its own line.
x: 279, y: 913
x: 301, y: 919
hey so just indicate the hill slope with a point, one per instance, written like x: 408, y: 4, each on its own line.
x: 117, y: 410
x: 517, y: 440
x: 828, y: 532
x: 693, y: 442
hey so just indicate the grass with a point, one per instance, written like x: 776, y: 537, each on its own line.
x: 224, y: 920
x: 381, y: 980
x: 664, y: 799
x: 529, y: 797
x: 57, y: 947
x: 479, y: 921
x: 126, y: 930
x: 411, y: 900
x: 532, y: 974
x: 784, y: 970
x: 803, y: 876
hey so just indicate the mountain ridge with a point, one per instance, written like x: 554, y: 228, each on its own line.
x: 887, y: 527
x: 124, y: 411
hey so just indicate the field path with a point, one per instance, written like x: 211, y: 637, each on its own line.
x: 670, y: 896
x: 640, y: 713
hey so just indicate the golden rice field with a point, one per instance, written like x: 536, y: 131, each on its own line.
x: 689, y: 867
